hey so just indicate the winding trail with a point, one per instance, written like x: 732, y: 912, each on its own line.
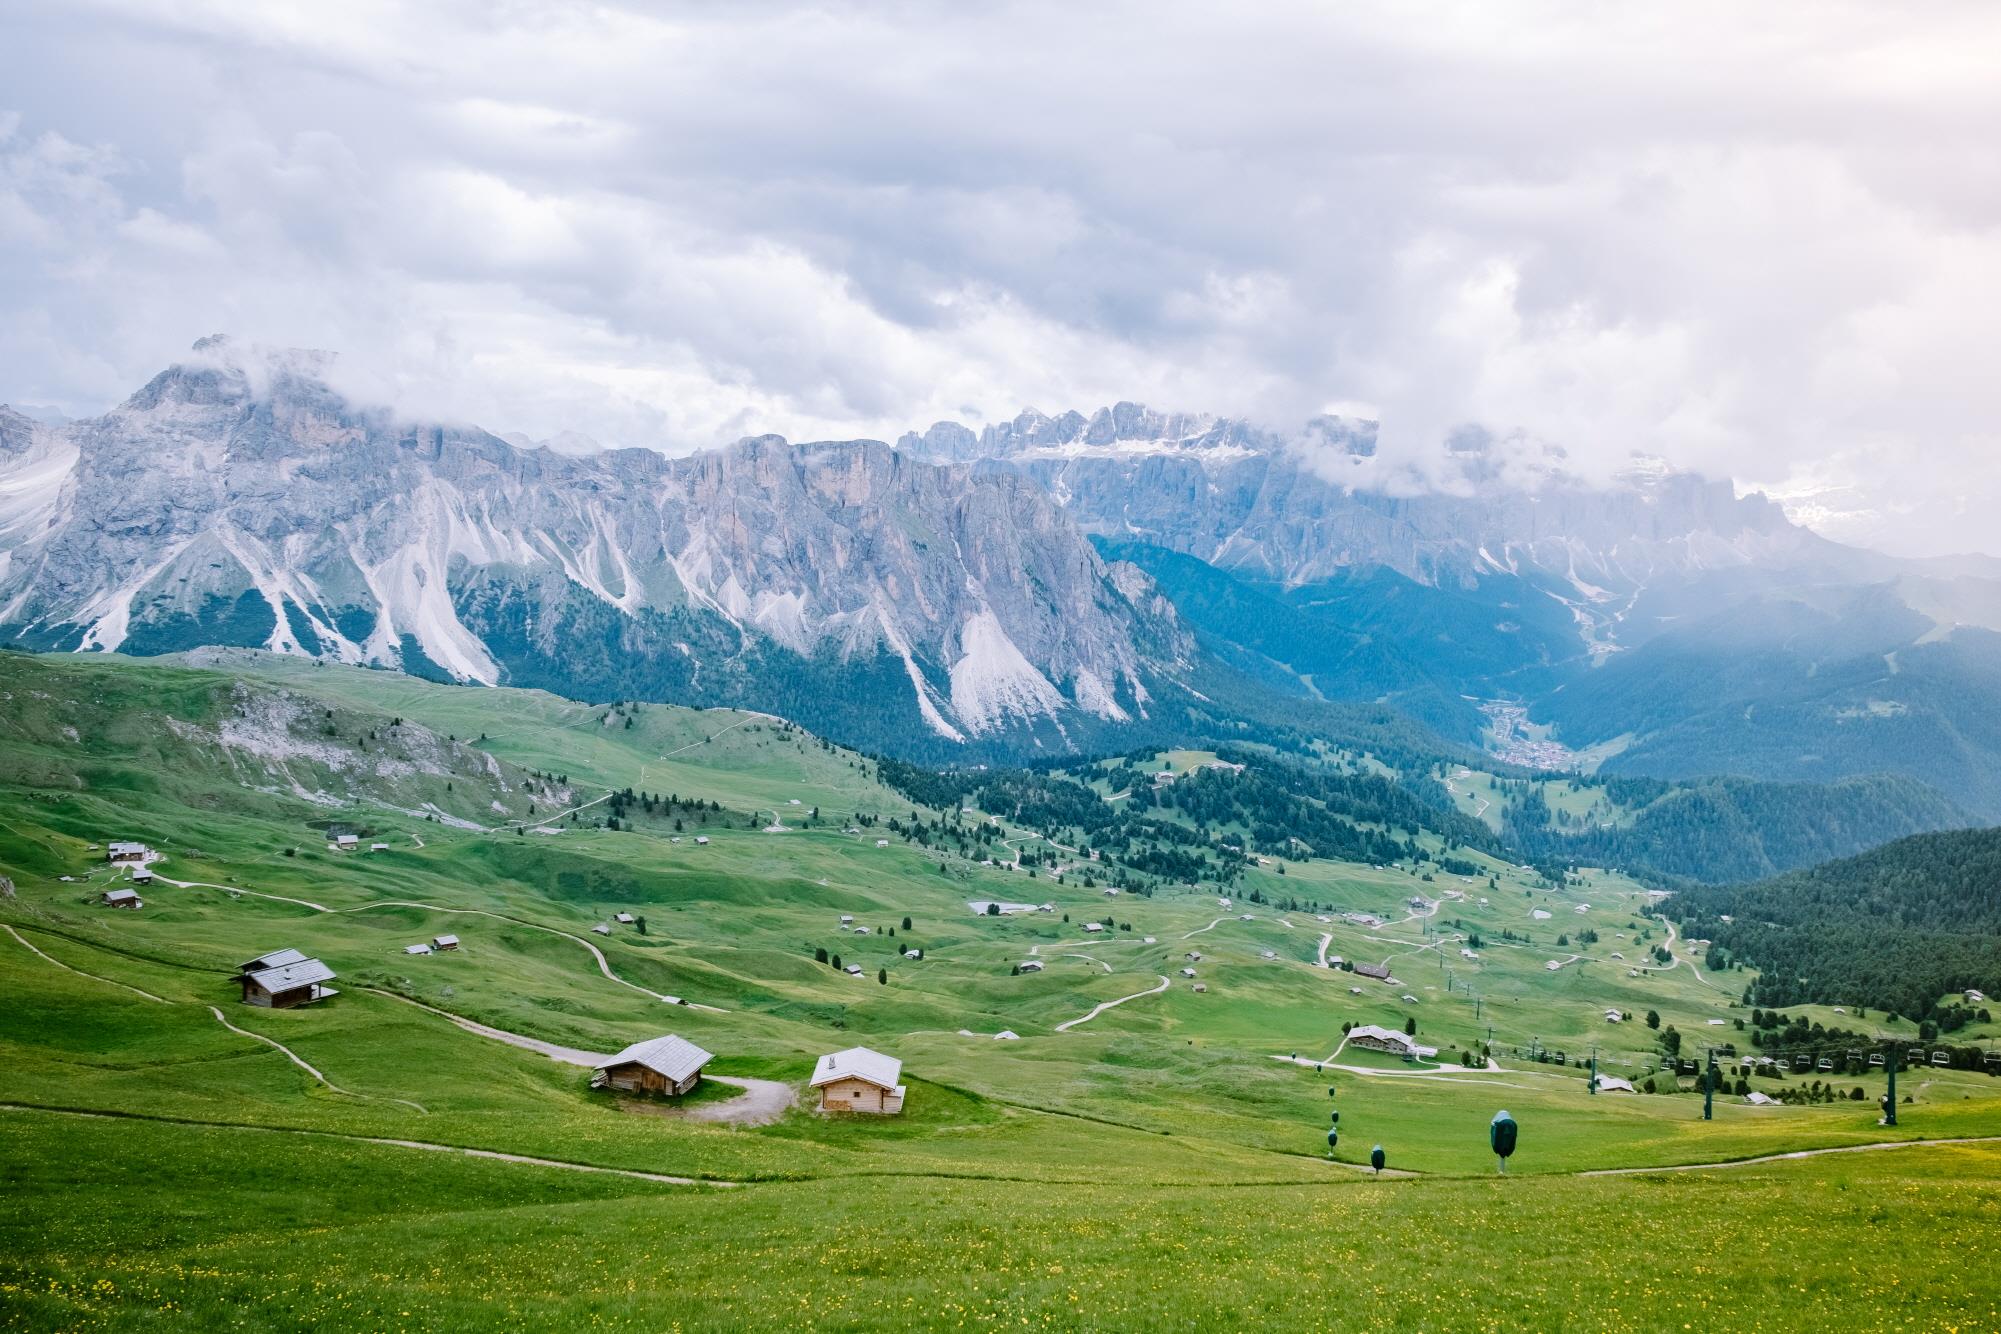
x: 604, y: 965
x: 490, y: 1155
x: 302, y: 1063
x: 1325, y: 940
x: 1877, y: 1146
x: 762, y: 1101
x: 80, y: 973
x: 1099, y: 1009
x: 1200, y: 929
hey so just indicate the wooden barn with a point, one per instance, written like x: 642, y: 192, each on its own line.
x: 125, y: 852
x: 300, y: 982
x: 1379, y: 971
x: 444, y: 942
x: 859, y: 1080
x: 123, y: 898
x: 666, y: 1066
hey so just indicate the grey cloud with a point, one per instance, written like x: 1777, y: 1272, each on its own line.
x: 1760, y: 243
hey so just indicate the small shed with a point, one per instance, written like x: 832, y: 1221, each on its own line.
x: 701, y: 840
x: 419, y: 948
x: 666, y: 1066
x: 1030, y: 965
x: 444, y: 942
x: 859, y: 1080
x: 1614, y: 1084
x: 1094, y: 927
x: 1201, y: 986
x: 913, y: 953
x: 378, y: 847
x: 141, y: 875
x: 288, y: 985
x: 1267, y: 954
x: 1188, y: 972
x: 1007, y: 1035
x: 882, y: 843
x: 347, y: 842
x: 847, y: 919
x: 854, y: 970
x: 1614, y: 1017
x: 123, y: 898
x: 623, y: 919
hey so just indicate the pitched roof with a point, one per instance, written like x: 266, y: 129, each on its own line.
x: 859, y: 1063
x: 275, y: 959
x: 286, y: 977
x: 672, y: 1056
x: 444, y: 940
x: 120, y: 895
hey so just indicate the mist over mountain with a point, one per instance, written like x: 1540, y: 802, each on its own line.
x: 1041, y: 586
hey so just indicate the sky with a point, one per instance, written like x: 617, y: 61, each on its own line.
x: 1761, y: 242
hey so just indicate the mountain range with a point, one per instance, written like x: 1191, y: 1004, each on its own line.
x: 1039, y: 586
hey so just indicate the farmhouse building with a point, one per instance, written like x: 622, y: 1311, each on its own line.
x: 623, y: 919
x: 1389, y: 1040
x: 444, y: 942
x: 417, y: 949
x: 859, y: 1080
x: 347, y: 842
x: 288, y: 984
x: 125, y: 852
x: 123, y: 898
x: 1030, y: 965
x: 667, y: 1066
x: 1379, y: 971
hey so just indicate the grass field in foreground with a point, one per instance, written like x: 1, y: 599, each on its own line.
x: 179, y: 1228
x: 1163, y: 1162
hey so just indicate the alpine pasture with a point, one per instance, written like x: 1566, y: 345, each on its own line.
x: 175, y: 1159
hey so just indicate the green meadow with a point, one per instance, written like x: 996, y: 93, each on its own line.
x: 1159, y: 1161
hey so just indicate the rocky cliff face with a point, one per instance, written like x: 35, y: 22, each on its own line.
x: 238, y: 499
x: 1244, y: 498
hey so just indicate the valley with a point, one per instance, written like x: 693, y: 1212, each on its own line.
x: 1156, y: 1086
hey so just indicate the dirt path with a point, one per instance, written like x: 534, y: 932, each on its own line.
x: 301, y: 1062
x: 1325, y: 940
x: 604, y: 965
x: 1200, y: 929
x: 762, y: 1101
x: 1874, y: 1147
x: 80, y: 973
x: 1097, y: 1010
x: 490, y: 1155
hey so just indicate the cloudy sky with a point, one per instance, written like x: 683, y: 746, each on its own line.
x: 1758, y: 241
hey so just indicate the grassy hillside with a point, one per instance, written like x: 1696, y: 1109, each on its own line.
x: 1135, y: 1120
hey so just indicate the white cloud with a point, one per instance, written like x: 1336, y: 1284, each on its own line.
x: 1763, y: 243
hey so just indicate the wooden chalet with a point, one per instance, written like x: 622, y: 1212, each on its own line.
x: 859, y: 1080
x: 125, y: 852
x: 666, y: 1066
x: 1379, y: 971
x: 123, y: 898
x: 297, y: 981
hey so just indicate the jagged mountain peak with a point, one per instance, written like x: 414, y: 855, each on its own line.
x: 240, y: 498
